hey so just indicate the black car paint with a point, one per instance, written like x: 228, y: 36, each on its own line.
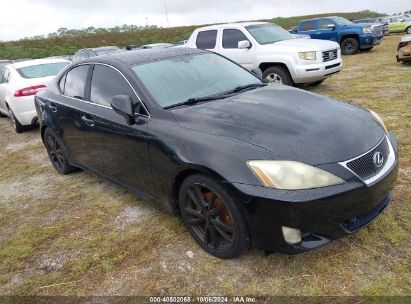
x: 153, y: 156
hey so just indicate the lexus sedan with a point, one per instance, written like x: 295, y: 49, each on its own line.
x: 242, y: 162
x: 19, y: 82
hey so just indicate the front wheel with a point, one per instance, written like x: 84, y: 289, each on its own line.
x: 278, y: 74
x: 56, y: 152
x: 350, y: 46
x: 212, y: 217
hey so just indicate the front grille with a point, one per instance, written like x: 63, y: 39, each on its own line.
x: 330, y: 55
x: 377, y: 29
x: 364, y: 166
x: 356, y: 223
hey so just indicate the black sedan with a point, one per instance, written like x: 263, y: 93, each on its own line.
x: 242, y: 162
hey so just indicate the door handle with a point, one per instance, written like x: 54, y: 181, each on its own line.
x: 88, y: 121
x: 52, y: 107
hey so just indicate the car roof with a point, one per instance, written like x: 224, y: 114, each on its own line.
x: 235, y: 25
x: 318, y: 18
x: 27, y: 63
x: 145, y: 55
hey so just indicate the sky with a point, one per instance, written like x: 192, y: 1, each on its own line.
x: 25, y: 18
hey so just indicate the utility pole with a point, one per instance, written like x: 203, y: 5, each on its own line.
x: 165, y: 5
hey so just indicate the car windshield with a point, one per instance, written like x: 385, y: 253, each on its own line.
x: 42, y: 70
x: 268, y: 33
x: 174, y: 80
x: 342, y: 21
x: 107, y: 51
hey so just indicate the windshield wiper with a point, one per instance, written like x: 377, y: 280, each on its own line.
x: 195, y: 100
x: 223, y: 95
x: 246, y: 87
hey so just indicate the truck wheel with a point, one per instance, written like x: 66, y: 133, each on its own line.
x: 350, y: 46
x: 278, y: 74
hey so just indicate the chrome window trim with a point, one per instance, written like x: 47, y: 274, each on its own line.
x: 96, y: 104
x: 388, y: 165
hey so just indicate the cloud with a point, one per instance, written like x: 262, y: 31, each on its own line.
x: 41, y: 17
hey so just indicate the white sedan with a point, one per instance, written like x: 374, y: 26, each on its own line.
x: 19, y: 82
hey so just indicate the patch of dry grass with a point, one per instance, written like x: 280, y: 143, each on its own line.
x: 80, y: 235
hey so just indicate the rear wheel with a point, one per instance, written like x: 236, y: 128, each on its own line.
x: 278, y: 74
x: 56, y: 152
x: 212, y: 217
x: 350, y: 46
x: 15, y: 123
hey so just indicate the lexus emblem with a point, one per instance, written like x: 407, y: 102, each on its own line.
x: 378, y: 159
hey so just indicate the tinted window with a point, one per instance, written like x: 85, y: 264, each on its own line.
x: 42, y: 70
x: 206, y: 39
x: 174, y: 80
x: 307, y: 25
x: 232, y: 37
x: 106, y: 83
x: 75, y: 82
x: 323, y: 24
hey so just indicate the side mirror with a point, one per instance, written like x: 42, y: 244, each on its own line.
x: 244, y: 44
x: 257, y: 72
x: 331, y: 26
x: 123, y: 105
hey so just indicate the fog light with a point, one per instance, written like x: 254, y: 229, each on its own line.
x: 291, y: 235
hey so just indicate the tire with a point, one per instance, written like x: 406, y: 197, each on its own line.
x: 350, y: 46
x: 278, y: 74
x: 15, y: 122
x: 56, y: 152
x: 212, y: 217
x: 317, y: 83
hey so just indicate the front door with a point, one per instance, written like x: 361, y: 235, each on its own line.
x: 117, y: 150
x: 229, y: 48
x: 325, y: 31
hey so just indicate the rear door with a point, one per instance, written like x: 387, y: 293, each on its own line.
x: 308, y: 28
x: 117, y: 151
x: 324, y: 31
x: 67, y: 109
x: 228, y: 46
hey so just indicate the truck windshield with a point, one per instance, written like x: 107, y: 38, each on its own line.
x: 268, y: 33
x: 175, y: 80
x: 342, y: 21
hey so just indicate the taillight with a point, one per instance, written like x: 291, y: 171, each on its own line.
x: 28, y: 91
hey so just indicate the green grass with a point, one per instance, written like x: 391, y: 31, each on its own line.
x: 80, y: 235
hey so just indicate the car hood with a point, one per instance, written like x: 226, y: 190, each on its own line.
x: 290, y: 123
x: 305, y: 44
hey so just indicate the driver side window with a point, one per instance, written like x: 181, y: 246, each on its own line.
x: 231, y: 38
x: 106, y: 82
x: 323, y: 24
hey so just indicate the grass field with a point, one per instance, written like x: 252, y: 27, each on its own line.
x: 80, y: 235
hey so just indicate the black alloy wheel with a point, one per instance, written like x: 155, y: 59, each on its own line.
x: 56, y: 152
x: 350, y: 46
x: 212, y: 217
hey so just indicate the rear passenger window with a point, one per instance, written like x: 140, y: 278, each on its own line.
x: 106, y: 83
x: 307, y: 25
x: 231, y: 38
x: 76, y: 81
x: 206, y: 39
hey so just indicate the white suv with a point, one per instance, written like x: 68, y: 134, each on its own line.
x: 19, y: 82
x: 279, y: 55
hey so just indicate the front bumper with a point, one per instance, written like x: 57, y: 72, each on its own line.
x: 317, y: 71
x: 369, y: 41
x: 322, y: 215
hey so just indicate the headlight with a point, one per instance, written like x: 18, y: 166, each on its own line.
x: 378, y: 118
x: 291, y: 175
x: 367, y: 30
x: 308, y: 55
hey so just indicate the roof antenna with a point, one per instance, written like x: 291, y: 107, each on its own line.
x: 165, y: 5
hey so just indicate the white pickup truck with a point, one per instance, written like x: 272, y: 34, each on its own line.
x: 279, y: 55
